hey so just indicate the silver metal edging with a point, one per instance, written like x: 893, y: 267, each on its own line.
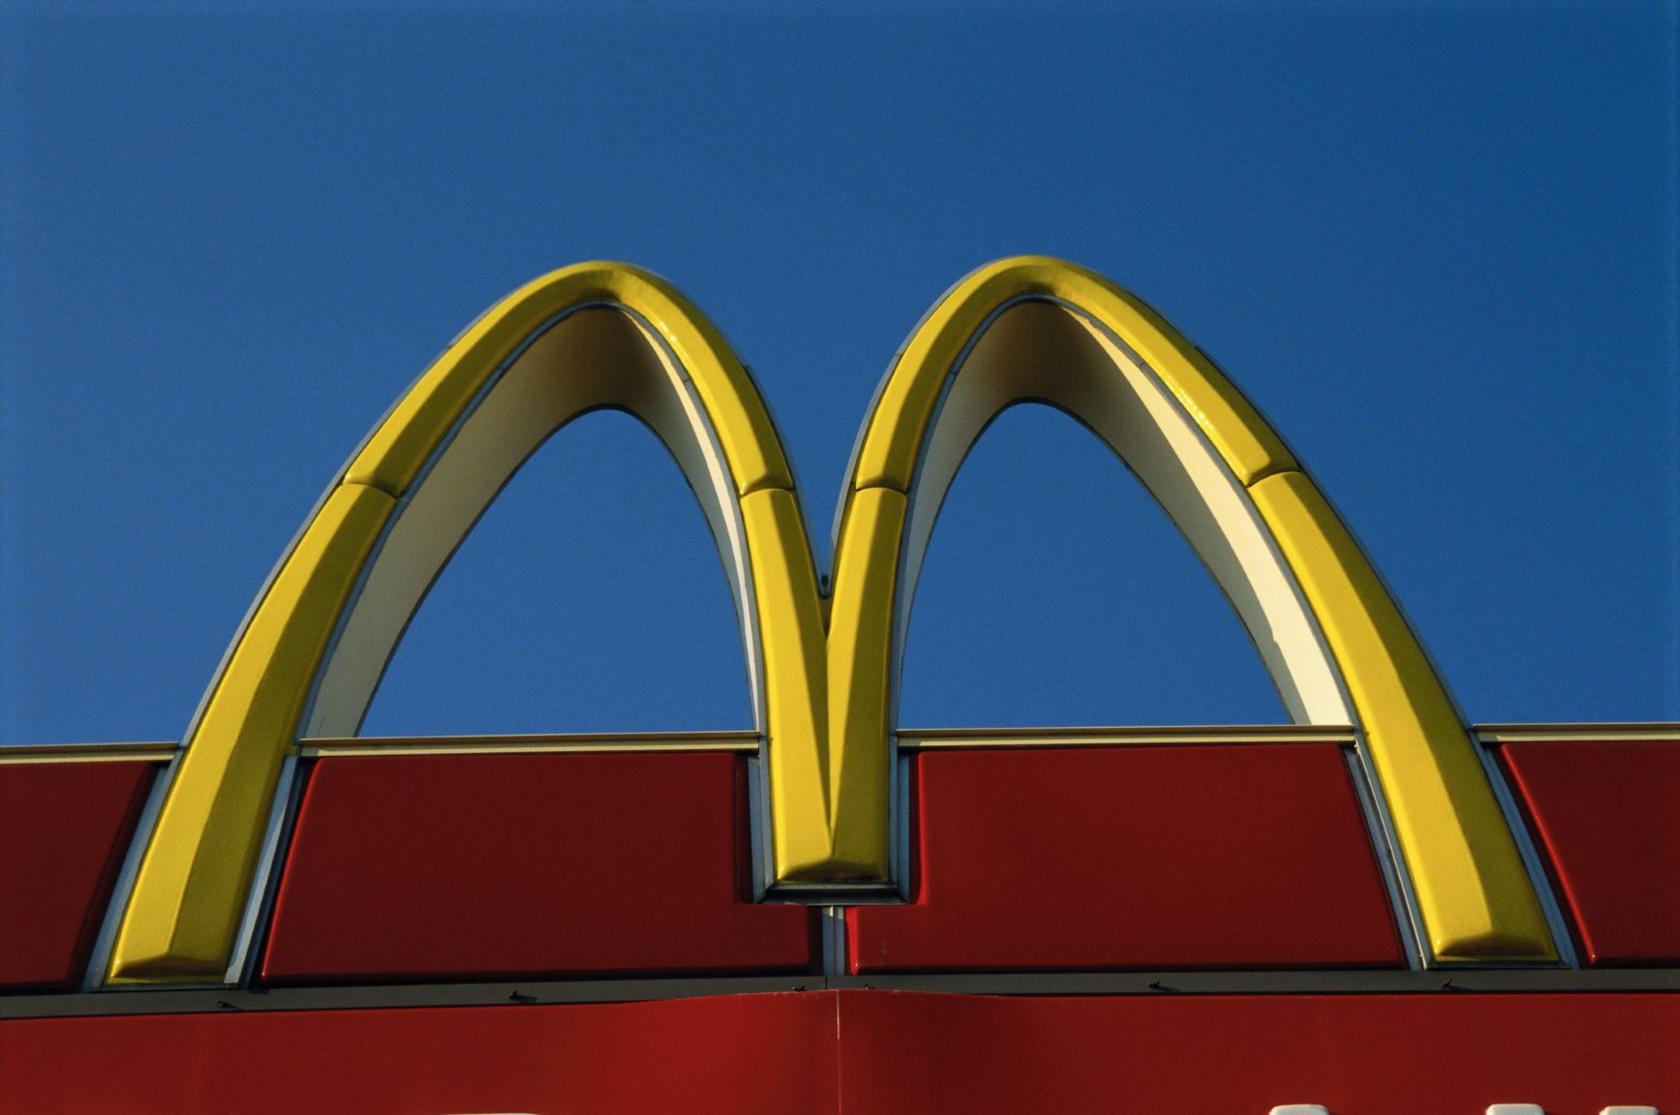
x: 1367, y: 784
x: 267, y: 585
x: 743, y: 589
x: 924, y: 738
x: 297, y: 536
x: 1624, y: 732
x: 400, y: 502
x: 325, y: 660
x: 1142, y: 983
x: 258, y: 898
x: 875, y: 403
x: 905, y: 579
x: 32, y: 753
x: 898, y: 803
x: 257, y: 941
x: 1408, y: 921
x: 93, y: 978
x: 833, y: 940
x: 735, y: 554
x: 1243, y: 491
x: 1366, y: 981
x: 580, y: 747
x: 741, y: 582
x: 868, y: 892
x: 901, y: 810
x: 759, y: 847
x: 949, y: 740
x: 1538, y: 877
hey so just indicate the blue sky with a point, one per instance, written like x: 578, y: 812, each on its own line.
x: 1436, y: 246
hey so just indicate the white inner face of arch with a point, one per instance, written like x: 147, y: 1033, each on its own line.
x: 1040, y: 351
x: 595, y: 357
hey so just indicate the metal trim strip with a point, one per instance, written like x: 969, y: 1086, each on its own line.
x: 1161, y: 983
x: 147, y: 752
x: 935, y: 739
x: 1626, y: 732
x: 747, y: 743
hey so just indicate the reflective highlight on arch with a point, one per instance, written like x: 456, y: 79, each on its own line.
x: 823, y: 673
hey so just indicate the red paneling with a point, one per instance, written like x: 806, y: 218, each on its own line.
x: 1135, y: 857
x: 64, y: 829
x: 461, y: 866
x: 1608, y: 815
x: 870, y: 1053
x: 1356, y: 1055
x: 770, y: 1053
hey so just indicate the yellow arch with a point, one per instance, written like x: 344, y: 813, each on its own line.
x: 1033, y: 328
x: 589, y: 336
x: 599, y: 335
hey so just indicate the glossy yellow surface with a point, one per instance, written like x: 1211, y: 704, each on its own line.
x: 860, y: 680
x: 190, y: 891
x: 795, y: 682
x: 406, y: 439
x: 827, y: 663
x: 1468, y: 876
x: 1474, y: 894
x: 895, y: 430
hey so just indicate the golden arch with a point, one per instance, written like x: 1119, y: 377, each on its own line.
x: 823, y: 670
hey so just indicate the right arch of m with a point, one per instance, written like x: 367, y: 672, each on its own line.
x: 823, y: 667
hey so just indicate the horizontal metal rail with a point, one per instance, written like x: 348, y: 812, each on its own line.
x: 1155, y: 984
x: 937, y: 739
x: 909, y: 739
x: 1578, y: 733
x: 591, y: 742
x: 152, y: 752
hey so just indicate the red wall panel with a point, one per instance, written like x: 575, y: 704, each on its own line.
x: 64, y: 829
x: 476, y: 866
x: 870, y: 1053
x: 1608, y: 816
x: 1427, y: 1054
x: 1135, y: 857
x: 770, y: 1053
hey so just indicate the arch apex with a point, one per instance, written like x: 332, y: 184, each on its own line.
x: 911, y: 391
x: 397, y: 450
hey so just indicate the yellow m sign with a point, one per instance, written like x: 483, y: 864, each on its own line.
x: 823, y: 667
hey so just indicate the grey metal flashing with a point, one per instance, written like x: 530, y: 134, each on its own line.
x: 1601, y: 732
x: 932, y: 739
x: 263, y: 873
x: 868, y: 892
x: 1134, y: 983
x: 99, y: 959
x: 265, y: 888
x: 1563, y: 936
x: 904, y: 821
x: 760, y: 847
x: 1340, y: 982
x: 229, y: 1000
x: 745, y: 742
x: 1401, y: 903
x: 833, y: 940
x: 746, y: 739
x: 161, y: 751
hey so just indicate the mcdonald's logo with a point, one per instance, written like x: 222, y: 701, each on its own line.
x: 823, y: 665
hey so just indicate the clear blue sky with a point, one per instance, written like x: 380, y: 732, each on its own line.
x: 1437, y: 248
